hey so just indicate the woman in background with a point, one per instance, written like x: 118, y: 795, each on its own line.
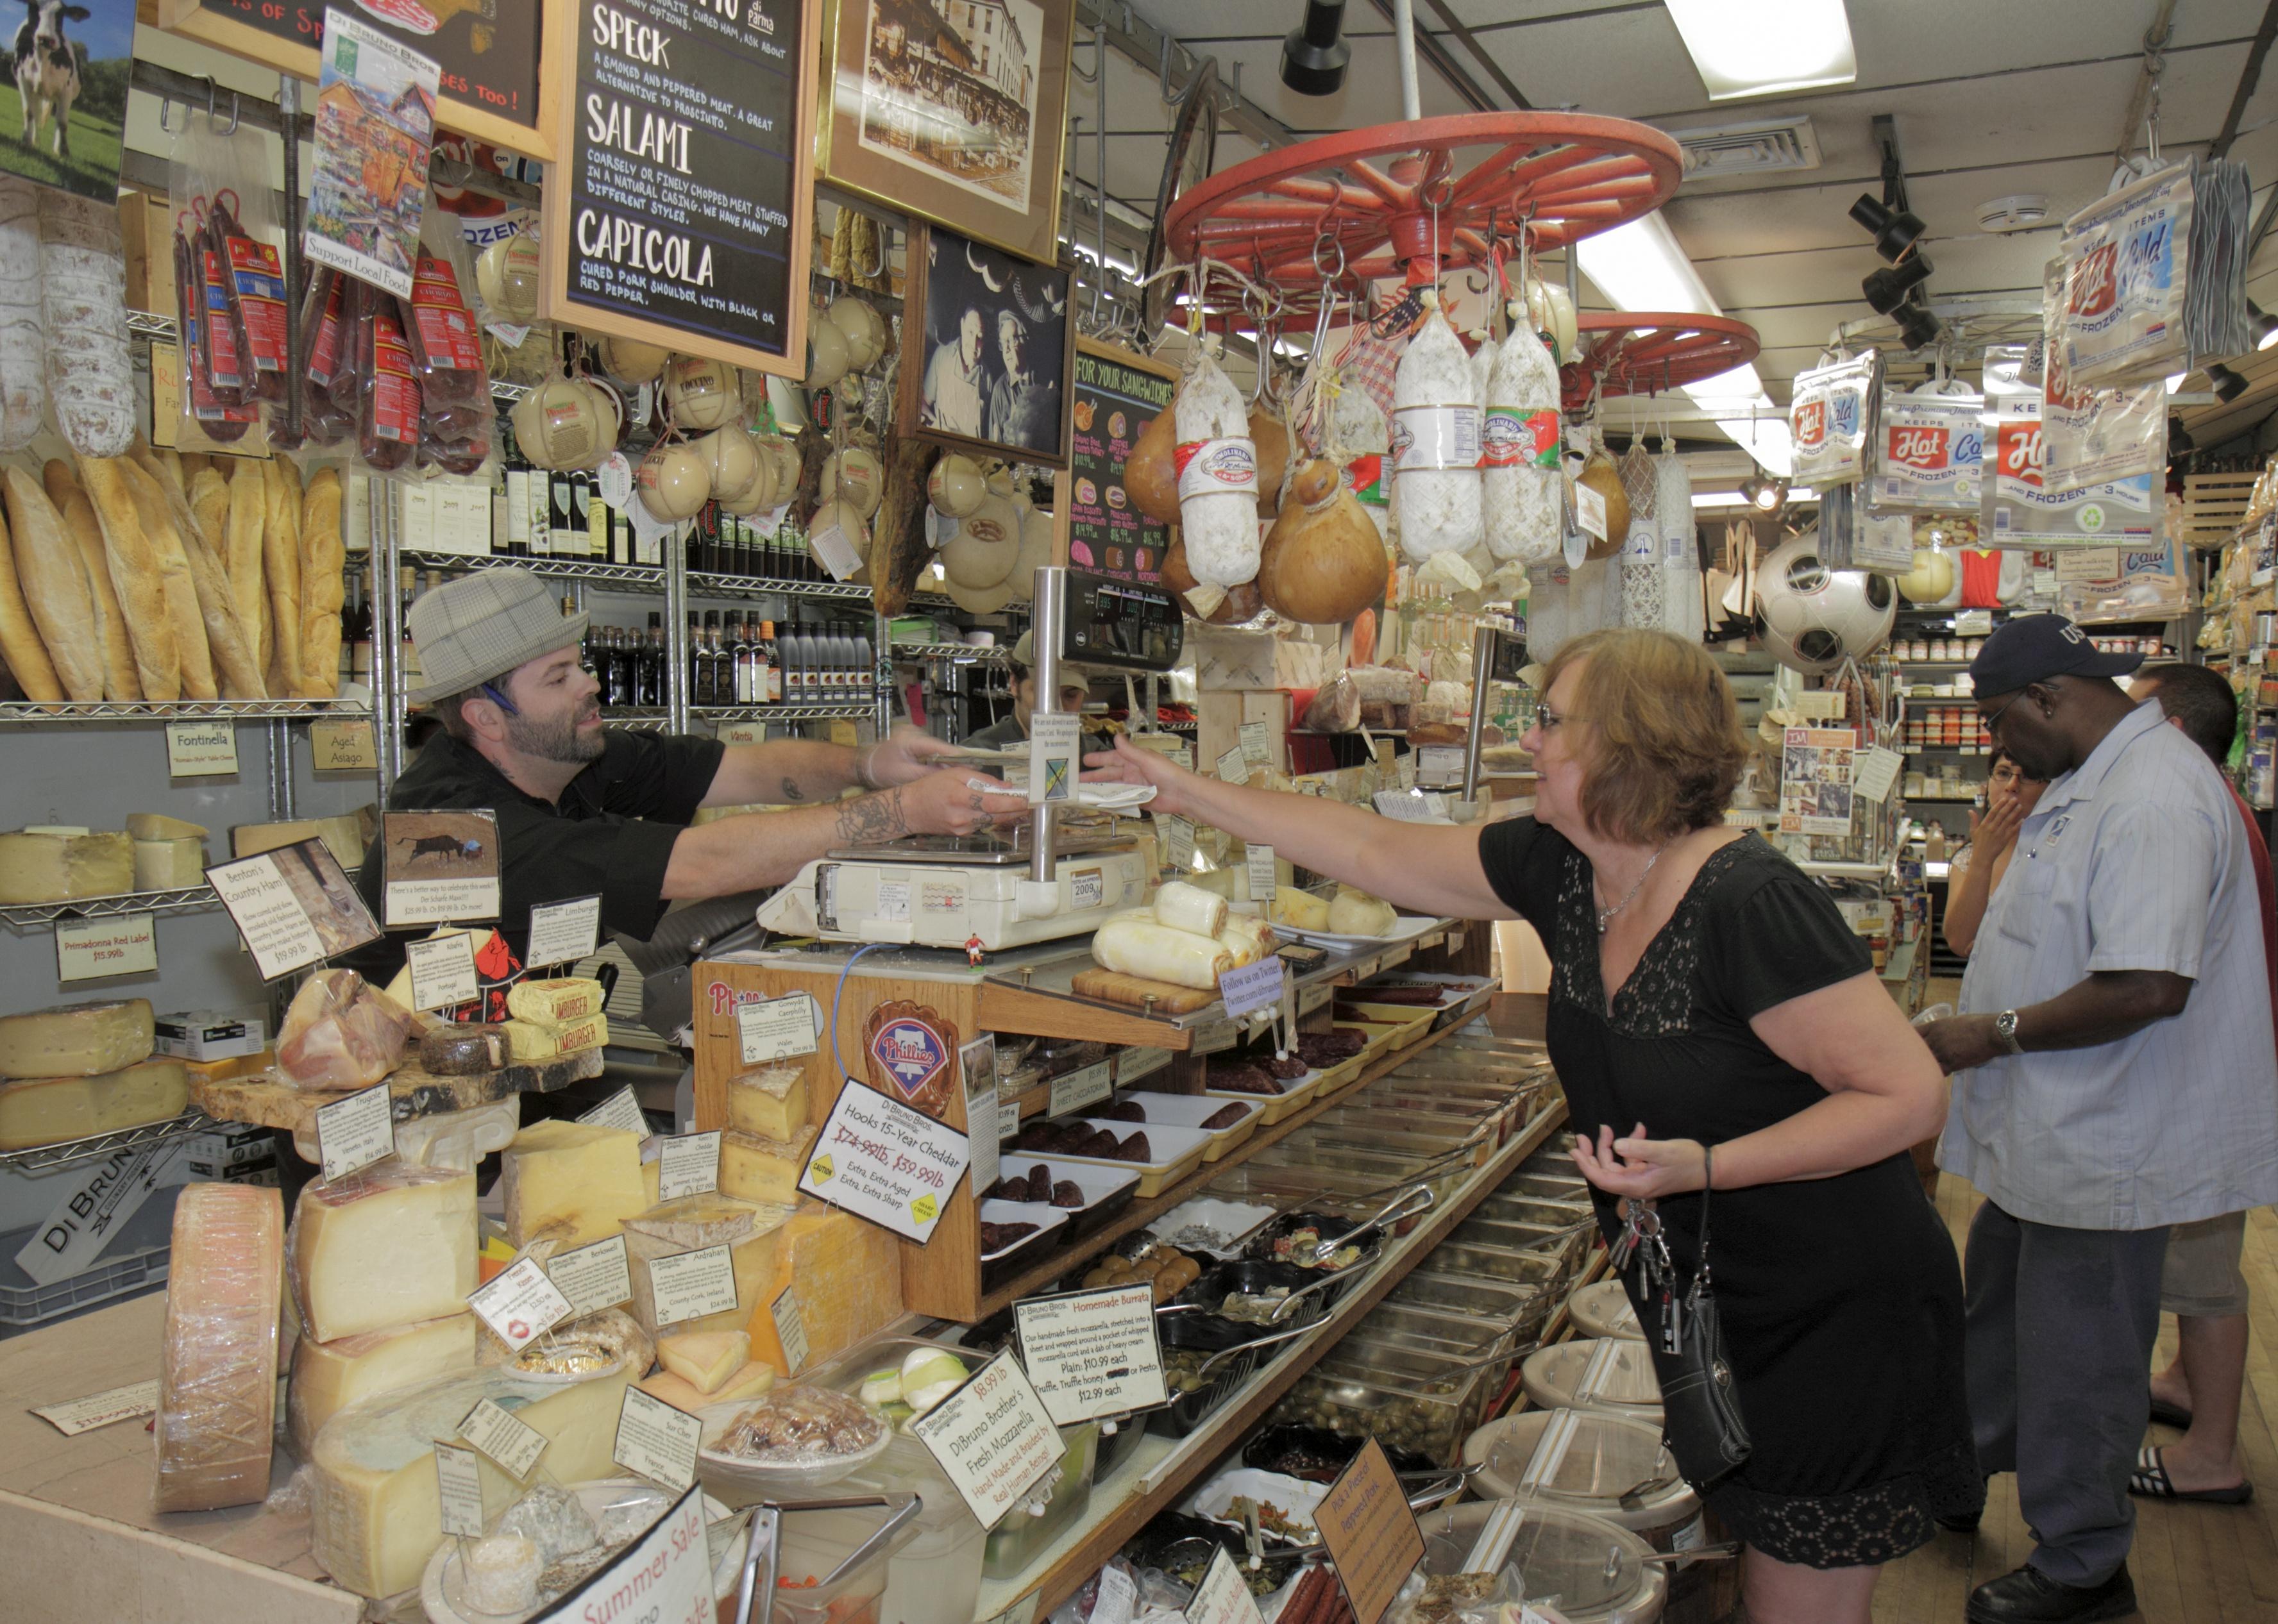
x: 2010, y: 797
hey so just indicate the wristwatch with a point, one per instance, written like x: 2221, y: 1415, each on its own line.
x: 2005, y: 1028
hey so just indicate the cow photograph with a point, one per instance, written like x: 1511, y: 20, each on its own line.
x: 63, y: 105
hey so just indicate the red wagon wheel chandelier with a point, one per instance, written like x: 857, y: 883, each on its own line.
x: 1650, y: 352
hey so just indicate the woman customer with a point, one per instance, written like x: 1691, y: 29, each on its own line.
x: 2010, y: 797
x: 1706, y: 995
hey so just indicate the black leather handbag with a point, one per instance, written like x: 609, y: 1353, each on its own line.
x: 1701, y: 1423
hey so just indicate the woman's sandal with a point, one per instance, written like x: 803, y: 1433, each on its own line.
x: 2150, y: 1480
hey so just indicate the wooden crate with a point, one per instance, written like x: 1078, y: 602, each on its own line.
x: 2211, y: 509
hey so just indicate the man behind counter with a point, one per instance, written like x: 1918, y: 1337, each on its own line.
x: 585, y: 809
x: 1011, y: 731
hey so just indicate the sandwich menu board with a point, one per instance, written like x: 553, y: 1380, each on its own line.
x: 679, y: 210
x: 1116, y: 392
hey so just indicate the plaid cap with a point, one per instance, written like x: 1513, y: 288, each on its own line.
x: 482, y: 626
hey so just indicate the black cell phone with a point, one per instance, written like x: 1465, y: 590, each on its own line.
x: 1300, y: 955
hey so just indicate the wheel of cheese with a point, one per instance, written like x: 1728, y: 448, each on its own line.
x: 217, y: 1374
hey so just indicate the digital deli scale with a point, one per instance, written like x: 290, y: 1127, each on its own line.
x: 999, y: 890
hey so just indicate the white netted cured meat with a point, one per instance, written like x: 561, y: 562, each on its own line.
x: 23, y: 342
x: 1519, y: 474
x: 1640, y: 557
x: 1217, y: 478
x: 1681, y: 593
x: 217, y: 1368
x: 83, y: 299
x: 1435, y: 443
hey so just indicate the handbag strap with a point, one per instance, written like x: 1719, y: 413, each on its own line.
x: 1707, y: 1180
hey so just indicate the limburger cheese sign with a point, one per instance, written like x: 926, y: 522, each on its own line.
x: 686, y: 201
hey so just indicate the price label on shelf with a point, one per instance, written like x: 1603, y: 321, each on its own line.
x: 512, y: 1445
x: 1074, y: 1090
x: 1262, y: 873
x: 1252, y: 987
x: 563, y: 933
x: 592, y: 1277
x: 201, y: 749
x: 123, y: 944
x: 356, y: 1132
x: 343, y: 747
x: 657, y: 1441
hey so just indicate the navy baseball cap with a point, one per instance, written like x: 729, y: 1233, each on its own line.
x: 2031, y: 648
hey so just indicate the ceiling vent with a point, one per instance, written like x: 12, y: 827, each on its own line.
x: 2019, y: 213
x: 1757, y: 147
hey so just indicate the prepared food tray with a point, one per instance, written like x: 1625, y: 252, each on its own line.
x: 1014, y: 1235
x: 1090, y: 1196
x: 1230, y: 1123
x: 1212, y: 1226
x: 1410, y: 1027
x: 1241, y: 1078
x: 1161, y: 1157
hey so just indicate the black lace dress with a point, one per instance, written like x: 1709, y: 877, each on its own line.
x: 1841, y: 1297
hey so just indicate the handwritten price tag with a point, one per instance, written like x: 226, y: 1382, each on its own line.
x: 521, y: 1304
x: 356, y: 1132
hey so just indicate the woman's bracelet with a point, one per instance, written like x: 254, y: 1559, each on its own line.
x: 862, y: 767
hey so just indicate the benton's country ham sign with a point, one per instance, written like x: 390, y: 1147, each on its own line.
x: 684, y: 138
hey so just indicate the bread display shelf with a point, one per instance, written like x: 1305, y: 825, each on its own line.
x: 269, y: 1103
x: 21, y: 712
x: 185, y: 899
x: 39, y: 1158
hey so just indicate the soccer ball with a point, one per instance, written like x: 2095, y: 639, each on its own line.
x: 1813, y: 616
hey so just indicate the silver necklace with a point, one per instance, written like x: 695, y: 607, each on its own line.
x: 1606, y: 915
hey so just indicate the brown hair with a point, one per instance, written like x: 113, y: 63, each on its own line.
x: 1663, y: 747
x: 447, y: 711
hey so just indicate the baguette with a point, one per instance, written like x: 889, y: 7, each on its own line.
x: 19, y: 638
x: 119, y: 682
x: 178, y: 591
x: 280, y: 569
x: 131, y: 562
x: 239, y: 543
x: 235, y: 676
x: 54, y: 583
x: 324, y: 555
x: 208, y: 498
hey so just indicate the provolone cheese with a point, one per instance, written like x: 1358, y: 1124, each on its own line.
x: 573, y: 1182
x: 169, y: 865
x: 764, y: 1169
x: 769, y: 1102
x: 47, y: 1110
x: 751, y: 1381
x: 54, y: 868
x: 375, y: 1513
x: 217, y: 1369
x: 383, y: 1247
x: 329, y: 1376
x: 77, y: 1040
x: 342, y: 834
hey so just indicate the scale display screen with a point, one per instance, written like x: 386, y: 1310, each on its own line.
x: 1121, y: 623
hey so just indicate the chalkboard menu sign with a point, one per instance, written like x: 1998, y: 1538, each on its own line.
x: 1116, y: 392
x: 488, y: 51
x: 680, y: 208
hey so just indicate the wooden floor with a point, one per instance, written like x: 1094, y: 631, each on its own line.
x: 2192, y: 1564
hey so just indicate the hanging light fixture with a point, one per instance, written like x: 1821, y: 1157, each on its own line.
x: 2228, y: 385
x: 1894, y: 227
x: 2266, y: 325
x: 1766, y: 495
x: 1918, y: 328
x: 1886, y: 288
x: 1314, y: 56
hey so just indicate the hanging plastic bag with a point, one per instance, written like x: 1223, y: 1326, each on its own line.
x: 1435, y: 443
x: 2017, y: 509
x: 2127, y: 272
x: 1681, y: 604
x: 388, y: 399
x: 1930, y: 454
x: 1832, y: 418
x: 219, y: 384
x: 1640, y: 570
x: 447, y: 351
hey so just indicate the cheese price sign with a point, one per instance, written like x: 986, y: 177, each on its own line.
x: 686, y: 137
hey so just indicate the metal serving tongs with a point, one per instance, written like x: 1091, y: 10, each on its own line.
x: 1404, y: 1205
x: 764, y: 1546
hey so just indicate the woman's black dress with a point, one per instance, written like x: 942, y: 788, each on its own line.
x: 1841, y: 1297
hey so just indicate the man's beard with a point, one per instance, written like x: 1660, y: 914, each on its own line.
x: 557, y: 741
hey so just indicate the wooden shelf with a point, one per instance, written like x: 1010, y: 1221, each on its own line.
x: 1161, y: 1476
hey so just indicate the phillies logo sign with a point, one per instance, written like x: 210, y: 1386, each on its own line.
x: 1811, y: 424
x: 1919, y: 447
x: 2095, y: 281
x: 911, y: 1053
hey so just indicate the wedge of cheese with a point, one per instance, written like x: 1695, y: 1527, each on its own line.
x: 329, y: 1376
x: 344, y: 835
x: 54, y: 868
x: 575, y: 1037
x: 76, y: 1040
x: 690, y: 1224
x: 552, y: 1003
x: 47, y: 1110
x: 751, y: 1381
x: 753, y: 1169
x: 572, y: 1182
x: 169, y: 865
x: 846, y: 1275
x: 704, y: 1359
x: 218, y: 1364
x: 157, y: 826
x: 375, y: 1515
x: 384, y: 1248
x: 527, y: 1041
x: 768, y: 1101
x: 1300, y: 910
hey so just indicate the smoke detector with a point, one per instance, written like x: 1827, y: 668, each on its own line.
x: 2019, y: 213
x: 1755, y: 147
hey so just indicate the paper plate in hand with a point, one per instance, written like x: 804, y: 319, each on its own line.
x: 1406, y: 927
x: 1108, y: 796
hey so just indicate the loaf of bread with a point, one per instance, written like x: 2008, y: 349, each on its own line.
x: 178, y: 591
x: 54, y: 583
x: 245, y: 520
x: 131, y: 562
x: 280, y: 565
x: 235, y: 674
x: 323, y: 556
x: 19, y: 638
x: 208, y: 494
x: 119, y: 682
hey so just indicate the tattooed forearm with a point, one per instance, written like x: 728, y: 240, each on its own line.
x: 792, y: 791
x: 872, y: 818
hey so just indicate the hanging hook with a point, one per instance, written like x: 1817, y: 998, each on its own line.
x: 1091, y: 77
x: 213, y: 95
x: 236, y: 110
x: 878, y: 239
x: 1163, y: 74
x: 165, y: 114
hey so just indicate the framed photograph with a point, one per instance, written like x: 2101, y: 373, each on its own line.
x: 955, y: 110
x: 991, y: 368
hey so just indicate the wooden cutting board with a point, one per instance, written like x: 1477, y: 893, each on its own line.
x: 1114, y: 986
x: 265, y: 1100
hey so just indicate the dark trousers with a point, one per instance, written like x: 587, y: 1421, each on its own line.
x: 2059, y: 1327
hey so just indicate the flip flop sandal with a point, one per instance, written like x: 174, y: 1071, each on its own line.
x: 2151, y: 1481
x: 2170, y: 1416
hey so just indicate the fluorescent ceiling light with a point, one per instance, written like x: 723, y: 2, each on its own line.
x: 1641, y: 267
x: 1760, y: 47
x: 1733, y: 499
